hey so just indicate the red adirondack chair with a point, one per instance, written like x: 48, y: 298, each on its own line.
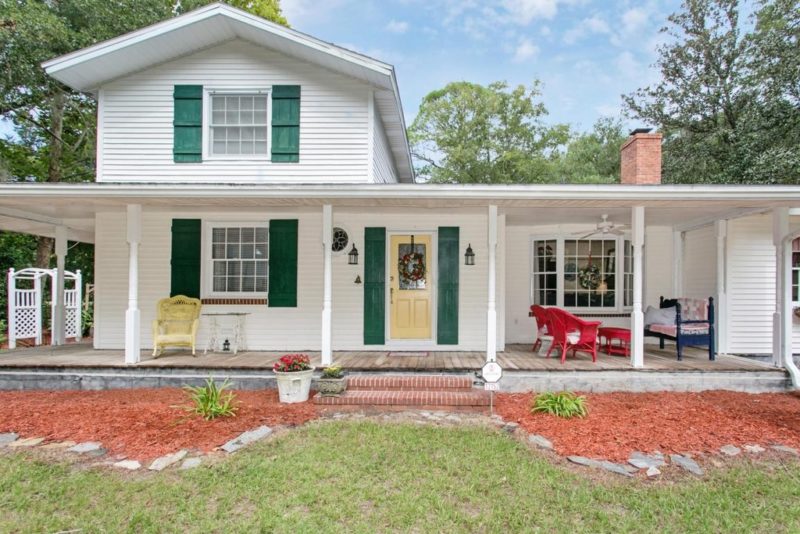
x: 543, y: 328
x: 572, y: 333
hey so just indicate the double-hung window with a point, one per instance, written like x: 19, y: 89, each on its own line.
x: 239, y: 124
x: 590, y: 274
x: 796, y: 272
x: 237, y: 261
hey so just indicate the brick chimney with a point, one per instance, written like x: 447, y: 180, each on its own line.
x: 641, y: 158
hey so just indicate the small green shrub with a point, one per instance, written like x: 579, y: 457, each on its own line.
x: 563, y: 404
x: 332, y: 372
x: 211, y: 401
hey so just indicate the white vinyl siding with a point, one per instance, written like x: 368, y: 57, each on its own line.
x: 138, y: 111
x: 750, y: 285
x: 286, y: 329
x: 699, y: 263
x: 383, y: 162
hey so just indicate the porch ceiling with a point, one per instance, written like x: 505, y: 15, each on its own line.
x: 37, y: 208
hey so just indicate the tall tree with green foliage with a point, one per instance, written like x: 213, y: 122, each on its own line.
x: 727, y: 99
x: 593, y: 157
x: 54, y: 125
x: 470, y: 133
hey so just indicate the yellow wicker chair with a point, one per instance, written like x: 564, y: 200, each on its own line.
x: 177, y: 323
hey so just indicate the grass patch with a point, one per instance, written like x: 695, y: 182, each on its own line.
x: 367, y: 477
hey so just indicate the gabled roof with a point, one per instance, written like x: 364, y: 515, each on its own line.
x: 91, y: 67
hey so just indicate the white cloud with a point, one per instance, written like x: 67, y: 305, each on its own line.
x: 524, y: 11
x: 608, y: 110
x: 525, y: 50
x: 628, y: 66
x: 585, y: 28
x: 397, y: 26
x: 634, y: 20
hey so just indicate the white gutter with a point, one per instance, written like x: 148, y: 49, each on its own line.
x: 752, y: 196
x: 788, y: 356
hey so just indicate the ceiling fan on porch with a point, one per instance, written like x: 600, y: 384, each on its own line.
x: 604, y: 227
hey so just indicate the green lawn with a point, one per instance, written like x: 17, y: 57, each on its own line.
x: 368, y: 477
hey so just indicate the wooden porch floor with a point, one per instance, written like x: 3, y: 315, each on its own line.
x: 514, y: 358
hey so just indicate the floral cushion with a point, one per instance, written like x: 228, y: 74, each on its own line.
x: 671, y: 329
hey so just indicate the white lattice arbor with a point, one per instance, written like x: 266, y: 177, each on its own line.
x: 25, y: 304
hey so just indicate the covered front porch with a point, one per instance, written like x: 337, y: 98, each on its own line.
x: 504, y: 226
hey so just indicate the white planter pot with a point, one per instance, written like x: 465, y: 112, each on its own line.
x: 294, y: 387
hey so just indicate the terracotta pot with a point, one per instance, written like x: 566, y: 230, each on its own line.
x: 295, y: 386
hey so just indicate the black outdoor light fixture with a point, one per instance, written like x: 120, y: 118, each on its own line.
x: 226, y: 346
x: 469, y: 256
x: 352, y: 256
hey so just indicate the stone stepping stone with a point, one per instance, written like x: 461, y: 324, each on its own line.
x: 601, y: 464
x: 652, y: 472
x: 8, y: 437
x: 247, y: 438
x: 541, y: 441
x: 26, y: 442
x: 89, y: 448
x: 130, y: 465
x: 784, y: 448
x: 730, y: 450
x: 641, y: 460
x: 59, y: 445
x: 754, y: 449
x: 191, y: 463
x: 159, y: 464
x: 686, y: 463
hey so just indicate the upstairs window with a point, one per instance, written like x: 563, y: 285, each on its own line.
x: 239, y: 125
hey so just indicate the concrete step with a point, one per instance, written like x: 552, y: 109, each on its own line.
x: 406, y: 398
x: 409, y: 383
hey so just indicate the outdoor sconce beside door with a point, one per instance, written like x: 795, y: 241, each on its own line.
x: 469, y: 256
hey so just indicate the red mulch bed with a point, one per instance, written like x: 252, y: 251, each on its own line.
x: 140, y: 423
x: 619, y: 423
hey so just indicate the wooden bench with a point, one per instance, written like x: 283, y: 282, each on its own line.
x: 693, y: 326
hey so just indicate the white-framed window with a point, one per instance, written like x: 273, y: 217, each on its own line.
x: 237, y: 124
x: 236, y: 259
x: 590, y: 274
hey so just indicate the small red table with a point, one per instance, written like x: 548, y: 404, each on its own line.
x: 611, y: 333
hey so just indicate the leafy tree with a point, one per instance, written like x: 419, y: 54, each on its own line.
x: 470, y: 133
x: 727, y: 101
x: 593, y: 157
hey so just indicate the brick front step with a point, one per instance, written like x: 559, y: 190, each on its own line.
x: 406, y: 398
x: 409, y: 383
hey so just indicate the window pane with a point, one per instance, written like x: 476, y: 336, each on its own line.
x: 248, y: 268
x: 261, y: 250
x: 234, y: 284
x: 218, y: 235
x: 220, y: 268
x: 233, y: 235
x: 248, y: 284
x: 261, y: 284
x: 232, y: 251
x: 220, y: 284
x: 234, y: 268
x: 262, y: 235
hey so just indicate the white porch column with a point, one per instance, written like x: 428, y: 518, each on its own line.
x: 721, y: 302
x: 782, y: 318
x: 327, y: 283
x: 491, y: 313
x: 59, y: 316
x: 133, y: 315
x: 637, y: 317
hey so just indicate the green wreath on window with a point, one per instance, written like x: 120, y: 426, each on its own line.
x: 589, y: 277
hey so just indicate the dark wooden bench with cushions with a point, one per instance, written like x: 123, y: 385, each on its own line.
x: 693, y: 325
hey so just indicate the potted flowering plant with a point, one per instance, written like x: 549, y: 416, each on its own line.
x: 293, y: 373
x: 332, y: 382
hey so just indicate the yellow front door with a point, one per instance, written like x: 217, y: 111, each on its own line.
x: 410, y: 287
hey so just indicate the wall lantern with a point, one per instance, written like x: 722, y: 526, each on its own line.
x: 352, y: 256
x: 469, y: 256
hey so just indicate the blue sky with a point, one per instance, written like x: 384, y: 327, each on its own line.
x: 586, y: 52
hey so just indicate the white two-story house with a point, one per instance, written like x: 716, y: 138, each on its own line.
x: 268, y: 173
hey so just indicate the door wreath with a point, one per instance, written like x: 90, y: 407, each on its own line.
x: 589, y: 276
x: 412, y: 267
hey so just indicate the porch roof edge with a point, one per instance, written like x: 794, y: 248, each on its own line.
x: 782, y: 194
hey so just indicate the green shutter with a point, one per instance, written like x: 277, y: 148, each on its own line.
x: 187, y: 123
x: 283, y: 263
x: 286, y: 123
x: 374, y: 286
x: 185, y: 264
x: 447, y: 301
